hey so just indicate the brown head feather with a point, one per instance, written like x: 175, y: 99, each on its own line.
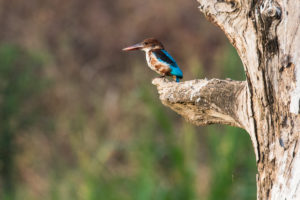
x: 152, y: 43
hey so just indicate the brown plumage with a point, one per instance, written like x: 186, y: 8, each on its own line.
x: 152, y: 43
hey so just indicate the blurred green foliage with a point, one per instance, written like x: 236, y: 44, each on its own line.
x: 163, y: 155
x: 79, y: 119
x: 20, y: 83
x: 234, y: 168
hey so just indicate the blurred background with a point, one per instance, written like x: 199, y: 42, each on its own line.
x: 80, y: 119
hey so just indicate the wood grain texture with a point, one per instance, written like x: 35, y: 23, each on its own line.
x: 266, y: 36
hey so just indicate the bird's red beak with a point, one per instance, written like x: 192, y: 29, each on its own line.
x: 134, y: 47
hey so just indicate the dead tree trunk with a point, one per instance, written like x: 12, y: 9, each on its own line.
x: 266, y: 36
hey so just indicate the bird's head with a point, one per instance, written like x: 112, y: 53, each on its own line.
x: 146, y: 45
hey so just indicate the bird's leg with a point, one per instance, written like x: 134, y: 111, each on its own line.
x: 174, y: 78
x: 162, y: 76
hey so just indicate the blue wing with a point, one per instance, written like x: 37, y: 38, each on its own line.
x: 165, y: 57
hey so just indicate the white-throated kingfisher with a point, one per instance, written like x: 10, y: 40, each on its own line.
x: 158, y: 59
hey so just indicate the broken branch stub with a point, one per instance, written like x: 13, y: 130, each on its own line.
x: 204, y: 102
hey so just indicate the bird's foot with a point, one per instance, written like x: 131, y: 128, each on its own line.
x: 161, y: 78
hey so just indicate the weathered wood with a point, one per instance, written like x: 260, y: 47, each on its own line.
x: 266, y: 36
x: 204, y: 102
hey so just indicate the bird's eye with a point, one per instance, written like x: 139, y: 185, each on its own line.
x: 146, y: 43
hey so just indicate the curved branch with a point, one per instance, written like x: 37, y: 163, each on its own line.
x: 266, y: 36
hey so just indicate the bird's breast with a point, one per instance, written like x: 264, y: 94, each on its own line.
x: 151, y: 61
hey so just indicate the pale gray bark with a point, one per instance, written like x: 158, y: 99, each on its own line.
x: 267, y: 38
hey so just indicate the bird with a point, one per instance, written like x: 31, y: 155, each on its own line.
x: 158, y: 59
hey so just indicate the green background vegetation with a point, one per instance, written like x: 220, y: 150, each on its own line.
x: 79, y: 119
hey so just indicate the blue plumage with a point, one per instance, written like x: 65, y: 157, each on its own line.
x: 163, y: 56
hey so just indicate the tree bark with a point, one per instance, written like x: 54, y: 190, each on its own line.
x: 266, y: 36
